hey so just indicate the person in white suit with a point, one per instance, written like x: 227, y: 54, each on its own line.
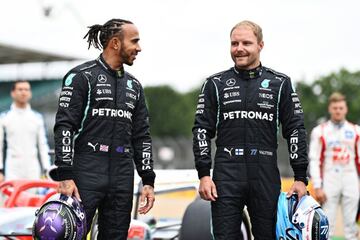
x: 334, y: 165
x: 24, y: 151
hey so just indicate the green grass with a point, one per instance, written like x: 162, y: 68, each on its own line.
x: 338, y: 238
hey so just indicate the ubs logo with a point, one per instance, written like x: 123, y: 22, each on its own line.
x: 102, y: 78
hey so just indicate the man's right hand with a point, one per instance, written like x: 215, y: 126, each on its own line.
x: 2, y: 178
x: 320, y: 195
x: 207, y: 189
x: 68, y: 187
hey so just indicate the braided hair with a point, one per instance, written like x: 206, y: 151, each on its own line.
x: 99, y: 35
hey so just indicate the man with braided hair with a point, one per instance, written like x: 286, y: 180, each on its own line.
x: 101, y: 128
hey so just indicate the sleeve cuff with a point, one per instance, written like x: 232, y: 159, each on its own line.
x: 203, y: 172
x: 300, y: 171
x: 2, y: 171
x: 148, y: 179
x: 302, y: 179
x: 61, y: 173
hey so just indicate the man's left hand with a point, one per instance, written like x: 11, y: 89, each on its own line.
x: 147, y: 199
x: 298, y: 187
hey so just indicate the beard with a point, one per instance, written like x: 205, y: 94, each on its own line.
x: 125, y: 58
x: 247, y: 63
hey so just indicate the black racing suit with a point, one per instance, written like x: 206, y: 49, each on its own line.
x: 101, y: 129
x: 245, y: 108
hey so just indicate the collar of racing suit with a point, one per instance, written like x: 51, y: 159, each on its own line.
x: 15, y: 108
x: 249, y: 74
x: 116, y: 73
x: 337, y: 124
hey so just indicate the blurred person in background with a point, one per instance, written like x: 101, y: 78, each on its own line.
x: 23, y: 143
x: 244, y: 106
x: 334, y: 165
x: 102, y: 128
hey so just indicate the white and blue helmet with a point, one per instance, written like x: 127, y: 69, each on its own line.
x: 297, y: 220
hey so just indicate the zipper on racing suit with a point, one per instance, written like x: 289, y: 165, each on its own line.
x: 245, y: 121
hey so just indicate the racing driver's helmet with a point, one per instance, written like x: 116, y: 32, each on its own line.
x: 302, y: 219
x: 60, y: 217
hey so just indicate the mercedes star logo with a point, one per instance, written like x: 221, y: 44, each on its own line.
x: 230, y: 82
x: 102, y: 78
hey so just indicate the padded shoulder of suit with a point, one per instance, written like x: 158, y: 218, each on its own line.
x: 83, y: 67
x: 133, y: 78
x: 278, y: 74
x: 78, y: 69
x: 218, y: 76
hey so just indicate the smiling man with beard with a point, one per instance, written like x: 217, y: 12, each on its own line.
x: 102, y: 128
x: 244, y: 107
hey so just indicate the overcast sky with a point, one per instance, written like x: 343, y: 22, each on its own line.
x: 184, y: 41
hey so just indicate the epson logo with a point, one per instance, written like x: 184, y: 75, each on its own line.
x: 66, y: 93
x: 108, y: 112
x: 248, y: 115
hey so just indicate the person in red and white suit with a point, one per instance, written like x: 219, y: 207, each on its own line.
x: 334, y: 165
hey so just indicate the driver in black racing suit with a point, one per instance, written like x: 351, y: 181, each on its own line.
x: 245, y: 106
x: 102, y: 113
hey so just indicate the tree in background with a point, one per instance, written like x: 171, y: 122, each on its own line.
x: 171, y: 112
x: 314, y: 96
